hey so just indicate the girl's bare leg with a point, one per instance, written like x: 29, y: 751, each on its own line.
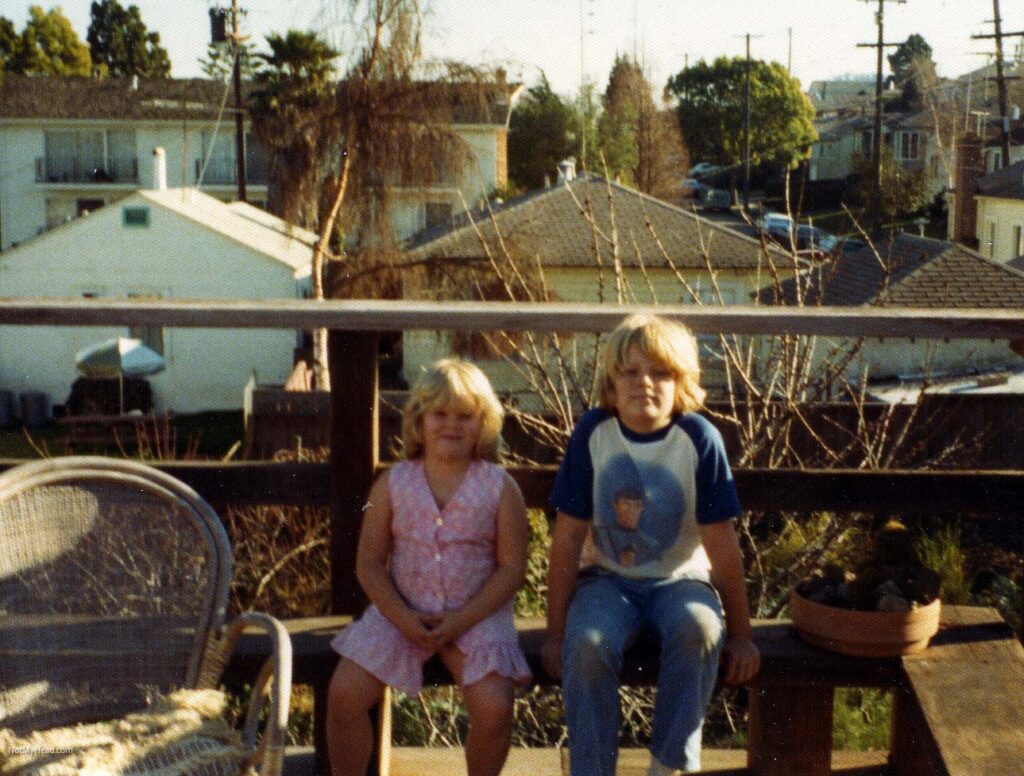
x: 352, y: 693
x: 489, y: 704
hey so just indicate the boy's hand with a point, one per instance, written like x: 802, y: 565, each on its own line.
x: 551, y: 656
x: 742, y: 660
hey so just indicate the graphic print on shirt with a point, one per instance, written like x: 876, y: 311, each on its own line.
x: 638, y: 510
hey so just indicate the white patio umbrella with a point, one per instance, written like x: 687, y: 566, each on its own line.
x: 119, y: 357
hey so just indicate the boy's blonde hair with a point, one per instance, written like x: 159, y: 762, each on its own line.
x: 669, y: 343
x: 452, y: 380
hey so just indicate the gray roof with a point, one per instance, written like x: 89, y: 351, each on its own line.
x: 1007, y: 183
x: 551, y: 225
x: 914, y: 272
x: 171, y: 99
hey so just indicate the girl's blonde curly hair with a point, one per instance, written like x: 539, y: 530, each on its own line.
x: 453, y: 381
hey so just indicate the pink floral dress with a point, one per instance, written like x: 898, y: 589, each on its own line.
x: 439, y: 560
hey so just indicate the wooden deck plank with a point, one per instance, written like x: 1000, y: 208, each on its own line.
x: 967, y: 686
x: 408, y: 761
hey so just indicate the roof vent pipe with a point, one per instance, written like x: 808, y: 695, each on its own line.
x: 159, y: 169
x: 567, y: 170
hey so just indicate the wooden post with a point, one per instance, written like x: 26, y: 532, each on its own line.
x: 352, y: 358
x: 355, y: 455
x: 790, y: 731
x: 912, y: 749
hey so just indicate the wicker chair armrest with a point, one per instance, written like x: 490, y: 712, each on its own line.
x: 265, y: 756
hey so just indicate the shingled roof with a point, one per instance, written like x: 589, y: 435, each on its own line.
x: 912, y: 271
x: 172, y: 99
x: 551, y: 225
x: 1006, y: 183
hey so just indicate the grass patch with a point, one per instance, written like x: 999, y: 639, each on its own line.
x: 204, y: 435
x: 862, y: 719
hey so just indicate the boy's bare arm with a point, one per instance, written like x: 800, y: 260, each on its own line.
x: 566, y: 546
x: 742, y: 660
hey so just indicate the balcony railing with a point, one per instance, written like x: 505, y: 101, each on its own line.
x: 924, y: 732
x: 81, y: 171
x: 220, y: 172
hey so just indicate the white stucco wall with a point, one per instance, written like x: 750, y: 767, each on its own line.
x: 1003, y: 215
x: 23, y: 199
x: 207, y: 368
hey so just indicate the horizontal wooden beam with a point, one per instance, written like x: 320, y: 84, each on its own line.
x: 388, y: 315
x: 840, y: 490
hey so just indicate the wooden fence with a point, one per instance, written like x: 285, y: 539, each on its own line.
x: 355, y: 442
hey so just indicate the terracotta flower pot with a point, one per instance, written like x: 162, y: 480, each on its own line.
x: 865, y: 634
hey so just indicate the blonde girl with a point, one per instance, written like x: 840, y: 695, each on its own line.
x: 441, y: 553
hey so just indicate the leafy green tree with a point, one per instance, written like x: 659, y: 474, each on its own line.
x: 543, y: 130
x: 640, y: 144
x: 8, y: 42
x: 220, y: 61
x: 49, y: 45
x: 903, y: 191
x: 710, y: 112
x: 121, y: 45
x: 913, y: 71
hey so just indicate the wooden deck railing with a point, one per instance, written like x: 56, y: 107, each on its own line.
x: 355, y: 454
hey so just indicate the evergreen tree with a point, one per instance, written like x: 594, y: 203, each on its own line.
x: 640, y: 144
x: 913, y: 71
x: 49, y: 45
x: 8, y: 43
x: 543, y: 130
x: 122, y: 46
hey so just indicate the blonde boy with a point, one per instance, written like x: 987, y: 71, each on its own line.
x: 680, y: 576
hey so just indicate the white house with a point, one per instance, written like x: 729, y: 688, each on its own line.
x: 911, y: 136
x: 71, y: 145
x: 918, y: 272
x: 168, y: 243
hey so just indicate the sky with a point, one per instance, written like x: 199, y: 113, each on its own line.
x: 568, y: 39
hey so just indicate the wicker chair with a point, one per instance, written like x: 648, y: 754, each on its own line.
x: 114, y: 582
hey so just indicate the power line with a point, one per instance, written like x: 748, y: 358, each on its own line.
x: 1000, y: 77
x: 874, y: 209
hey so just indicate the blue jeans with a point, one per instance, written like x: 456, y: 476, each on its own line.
x: 607, y: 615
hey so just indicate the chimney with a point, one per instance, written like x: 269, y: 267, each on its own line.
x: 969, y: 167
x: 567, y: 170
x: 159, y: 169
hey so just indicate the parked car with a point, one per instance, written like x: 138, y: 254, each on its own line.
x: 704, y: 168
x: 716, y: 200
x: 691, y: 187
x: 775, y: 225
x: 811, y: 238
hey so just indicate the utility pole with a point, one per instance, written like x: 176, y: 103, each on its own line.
x: 236, y: 74
x: 746, y: 128
x: 874, y: 207
x: 1000, y: 79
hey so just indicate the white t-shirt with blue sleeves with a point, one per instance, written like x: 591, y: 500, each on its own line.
x: 645, y: 494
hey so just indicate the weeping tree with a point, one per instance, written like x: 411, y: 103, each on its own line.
x: 386, y: 125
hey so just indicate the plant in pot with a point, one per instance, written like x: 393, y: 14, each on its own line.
x: 887, y: 605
